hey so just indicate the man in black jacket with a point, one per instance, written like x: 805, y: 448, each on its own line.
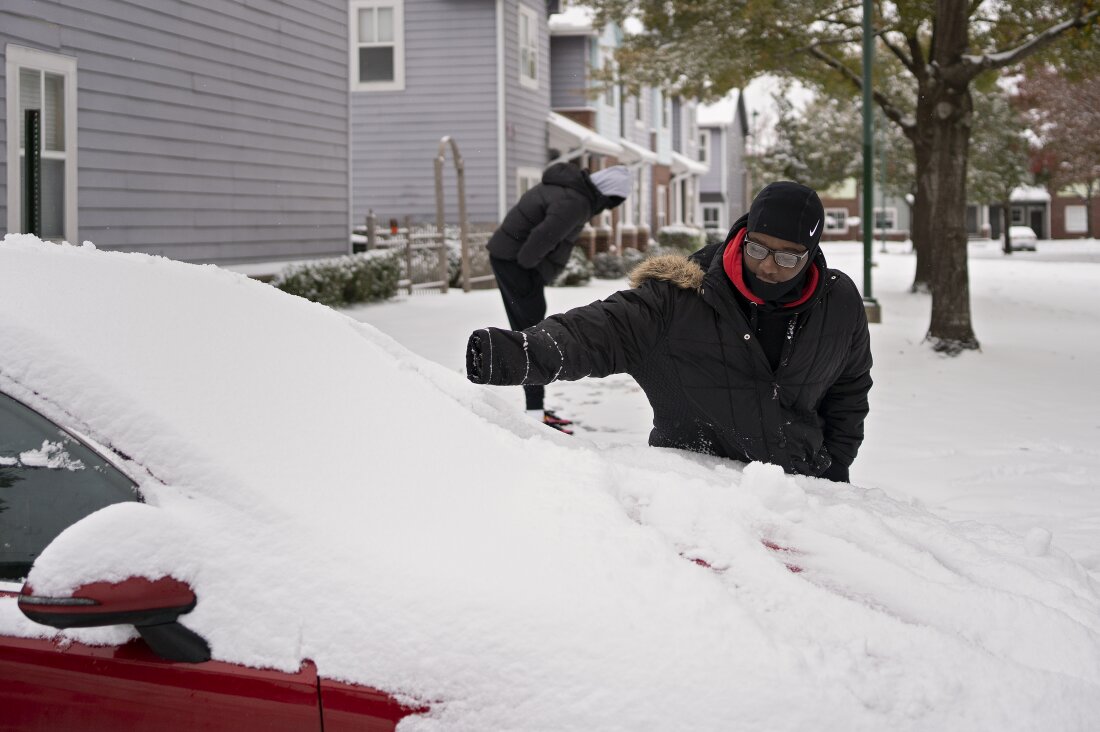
x: 750, y: 349
x: 532, y: 245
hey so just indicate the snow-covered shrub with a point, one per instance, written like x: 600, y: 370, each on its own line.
x: 343, y: 280
x: 578, y: 271
x: 680, y: 236
x: 632, y: 258
x: 715, y: 237
x: 608, y: 266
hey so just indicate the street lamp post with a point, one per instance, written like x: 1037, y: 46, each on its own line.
x: 870, y: 305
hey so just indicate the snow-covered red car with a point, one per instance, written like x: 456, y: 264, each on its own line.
x: 226, y: 508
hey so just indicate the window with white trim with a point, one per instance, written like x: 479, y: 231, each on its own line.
x: 528, y: 48
x: 704, y: 145
x: 1017, y: 215
x: 37, y: 80
x: 1076, y: 222
x: 665, y: 111
x: 377, y: 45
x: 836, y: 220
x: 526, y: 179
x: 639, y: 112
x: 886, y: 219
x: 662, y: 206
x: 712, y: 217
x: 638, y: 198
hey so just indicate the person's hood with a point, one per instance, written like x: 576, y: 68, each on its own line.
x: 568, y: 175
x: 613, y: 182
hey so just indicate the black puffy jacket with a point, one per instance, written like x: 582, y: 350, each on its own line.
x: 682, y: 335
x: 540, y: 230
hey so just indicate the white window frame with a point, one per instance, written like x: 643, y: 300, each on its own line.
x: 890, y: 213
x: 1076, y: 221
x: 526, y: 179
x: 704, y: 146
x: 662, y: 206
x: 842, y: 226
x: 398, y: 82
x: 666, y: 110
x: 531, y: 47
x: 1016, y: 216
x: 18, y: 57
x: 716, y: 209
x: 639, y: 112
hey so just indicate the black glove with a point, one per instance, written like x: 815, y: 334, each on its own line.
x: 474, y: 359
x: 837, y: 472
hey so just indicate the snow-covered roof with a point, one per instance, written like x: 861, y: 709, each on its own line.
x: 572, y: 21
x: 1030, y: 193
x: 572, y: 137
x: 683, y: 165
x: 635, y: 153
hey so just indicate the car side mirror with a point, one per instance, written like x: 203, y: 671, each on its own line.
x: 152, y: 606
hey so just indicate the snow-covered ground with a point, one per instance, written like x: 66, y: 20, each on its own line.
x: 511, y: 578
x: 1009, y: 435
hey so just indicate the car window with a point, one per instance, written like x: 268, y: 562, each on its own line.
x: 49, y: 480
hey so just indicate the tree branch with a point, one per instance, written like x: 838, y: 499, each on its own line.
x: 970, y: 66
x: 892, y: 112
x: 906, y: 61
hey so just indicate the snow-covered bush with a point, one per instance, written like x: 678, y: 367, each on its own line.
x: 632, y: 258
x: 578, y: 271
x: 608, y: 266
x: 681, y: 237
x: 343, y: 280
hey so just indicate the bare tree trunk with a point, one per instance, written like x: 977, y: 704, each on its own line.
x: 1006, y: 221
x: 950, y: 331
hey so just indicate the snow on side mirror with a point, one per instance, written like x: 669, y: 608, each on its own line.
x: 152, y: 606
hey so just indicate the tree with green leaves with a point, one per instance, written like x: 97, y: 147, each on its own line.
x: 796, y: 153
x: 998, y: 153
x: 930, y: 55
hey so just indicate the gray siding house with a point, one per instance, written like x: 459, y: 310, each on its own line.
x: 474, y: 70
x: 209, y: 132
x: 724, y: 188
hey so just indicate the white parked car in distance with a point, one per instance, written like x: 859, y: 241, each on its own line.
x: 1022, y: 237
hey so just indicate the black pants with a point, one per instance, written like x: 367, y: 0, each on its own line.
x: 525, y: 305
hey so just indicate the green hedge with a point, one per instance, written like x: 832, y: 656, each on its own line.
x: 343, y: 280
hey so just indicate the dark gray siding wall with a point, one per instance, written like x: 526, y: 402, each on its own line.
x: 569, y: 72
x: 212, y: 131
x: 450, y: 89
x: 526, y: 108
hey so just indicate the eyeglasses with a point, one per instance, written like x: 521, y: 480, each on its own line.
x: 783, y: 259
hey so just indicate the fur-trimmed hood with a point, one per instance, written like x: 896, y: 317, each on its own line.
x: 672, y: 268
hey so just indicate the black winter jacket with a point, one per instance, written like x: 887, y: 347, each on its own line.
x: 681, y: 334
x: 540, y: 230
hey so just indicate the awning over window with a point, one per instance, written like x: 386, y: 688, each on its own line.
x: 683, y: 165
x: 573, y: 139
x: 634, y: 153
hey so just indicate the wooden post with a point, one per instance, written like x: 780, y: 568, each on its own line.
x: 372, y: 232
x: 409, y: 252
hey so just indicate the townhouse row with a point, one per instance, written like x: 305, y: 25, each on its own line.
x: 234, y: 132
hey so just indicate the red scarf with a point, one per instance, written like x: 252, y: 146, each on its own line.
x: 731, y: 261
